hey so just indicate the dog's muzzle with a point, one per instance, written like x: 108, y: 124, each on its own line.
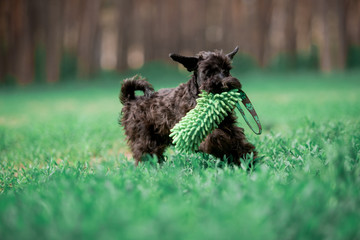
x: 231, y: 83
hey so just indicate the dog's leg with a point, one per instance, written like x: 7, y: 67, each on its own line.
x: 229, y: 142
x: 137, y: 155
x: 149, y: 147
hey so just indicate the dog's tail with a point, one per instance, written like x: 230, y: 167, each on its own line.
x: 130, y: 85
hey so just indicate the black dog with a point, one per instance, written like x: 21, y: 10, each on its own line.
x: 147, y: 119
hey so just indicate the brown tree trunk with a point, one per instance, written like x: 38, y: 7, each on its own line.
x: 227, y: 25
x: 149, y: 37
x: 353, y: 22
x: 4, y: 39
x: 333, y: 45
x: 193, y: 27
x: 173, y: 27
x: 125, y: 13
x: 303, y: 24
x: 256, y: 29
x: 264, y: 13
x: 168, y: 30
x: 290, y: 32
x: 88, y: 38
x: 340, y: 6
x: 236, y: 19
x: 22, y: 43
x: 71, y: 24
x: 54, y: 40
x: 325, y: 56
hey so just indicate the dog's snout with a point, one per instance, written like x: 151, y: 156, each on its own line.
x: 231, y: 83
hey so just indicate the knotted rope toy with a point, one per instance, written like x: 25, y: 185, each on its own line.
x: 210, y: 111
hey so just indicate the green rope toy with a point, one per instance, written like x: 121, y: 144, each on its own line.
x: 199, y: 122
x: 210, y: 111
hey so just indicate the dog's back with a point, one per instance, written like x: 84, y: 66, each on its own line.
x: 147, y: 119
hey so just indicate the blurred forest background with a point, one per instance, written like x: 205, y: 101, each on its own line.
x: 53, y: 40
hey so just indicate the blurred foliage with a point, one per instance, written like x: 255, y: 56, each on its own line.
x: 68, y: 66
x: 242, y: 63
x: 121, y: 35
x: 353, y: 60
x: 309, y: 60
x: 40, y: 64
x: 302, y: 61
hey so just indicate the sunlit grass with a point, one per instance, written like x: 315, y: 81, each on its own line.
x: 65, y: 171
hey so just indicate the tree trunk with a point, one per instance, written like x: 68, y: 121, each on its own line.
x: 264, y: 13
x: 4, y: 39
x: 22, y: 43
x: 340, y: 7
x: 54, y: 40
x: 149, y: 25
x: 303, y: 24
x: 88, y: 37
x: 290, y: 33
x: 125, y: 13
x: 193, y: 14
x: 333, y: 45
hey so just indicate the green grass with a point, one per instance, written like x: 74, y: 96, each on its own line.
x: 65, y: 173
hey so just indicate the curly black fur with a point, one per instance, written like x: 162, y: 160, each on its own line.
x: 147, y: 119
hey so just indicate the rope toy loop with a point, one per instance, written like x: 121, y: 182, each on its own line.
x: 247, y: 103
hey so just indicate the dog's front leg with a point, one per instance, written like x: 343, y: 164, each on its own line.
x: 230, y: 143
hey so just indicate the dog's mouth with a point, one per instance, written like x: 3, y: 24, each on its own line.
x: 231, y: 83
x: 219, y: 85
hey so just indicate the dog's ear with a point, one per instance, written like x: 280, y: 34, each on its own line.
x: 189, y: 63
x: 232, y: 54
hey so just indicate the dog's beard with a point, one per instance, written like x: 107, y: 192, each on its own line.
x: 219, y: 85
